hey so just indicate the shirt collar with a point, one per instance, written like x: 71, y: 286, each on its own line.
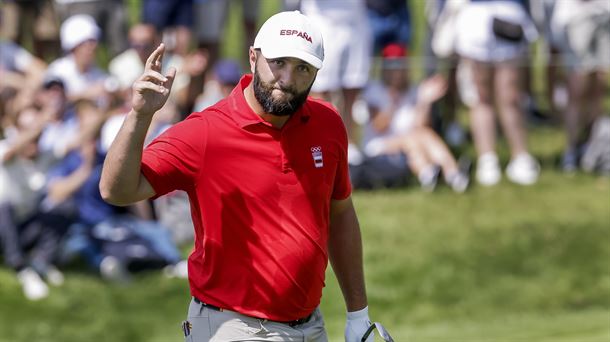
x: 243, y: 115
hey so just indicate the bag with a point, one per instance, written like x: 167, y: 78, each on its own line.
x: 507, y: 30
x: 383, y: 171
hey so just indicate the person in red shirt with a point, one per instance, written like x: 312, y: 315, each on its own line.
x: 267, y: 177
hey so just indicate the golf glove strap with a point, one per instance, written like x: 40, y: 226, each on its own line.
x: 357, y: 324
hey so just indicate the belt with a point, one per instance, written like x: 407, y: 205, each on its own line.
x: 290, y: 323
x: 209, y: 306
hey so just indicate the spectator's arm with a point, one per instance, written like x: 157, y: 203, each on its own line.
x: 90, y: 126
x: 61, y: 189
x: 430, y: 91
x: 27, y: 137
x: 22, y: 141
x: 381, y: 120
x: 33, y: 76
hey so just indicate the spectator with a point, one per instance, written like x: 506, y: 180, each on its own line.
x: 107, y: 238
x: 22, y: 75
x: 32, y: 23
x: 226, y: 75
x: 111, y: 15
x: 399, y: 123
x: 390, y: 22
x: 348, y: 43
x: 492, y: 38
x: 174, y: 17
x: 211, y: 19
x: 586, y: 25
x: 30, y: 238
x: 441, y: 22
x: 82, y: 78
x: 554, y: 45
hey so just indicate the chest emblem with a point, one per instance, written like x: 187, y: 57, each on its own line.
x: 316, y: 154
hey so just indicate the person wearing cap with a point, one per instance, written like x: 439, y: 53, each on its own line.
x: 267, y: 177
x: 400, y: 123
x: 77, y: 69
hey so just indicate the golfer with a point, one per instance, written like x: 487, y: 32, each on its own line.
x: 267, y: 177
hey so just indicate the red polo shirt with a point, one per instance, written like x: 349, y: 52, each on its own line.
x: 260, y: 200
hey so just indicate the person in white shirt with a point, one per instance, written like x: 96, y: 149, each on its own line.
x: 77, y: 69
x: 399, y: 123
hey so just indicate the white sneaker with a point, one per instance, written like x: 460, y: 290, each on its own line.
x: 178, y: 270
x: 54, y: 276
x: 523, y: 169
x: 488, y: 169
x: 428, y: 178
x: 112, y: 269
x: 459, y: 182
x: 34, y: 288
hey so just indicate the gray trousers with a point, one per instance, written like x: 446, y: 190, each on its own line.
x: 205, y: 324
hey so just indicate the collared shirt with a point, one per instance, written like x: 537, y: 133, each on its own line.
x: 260, y: 201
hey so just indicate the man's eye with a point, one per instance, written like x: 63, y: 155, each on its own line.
x: 278, y: 62
x: 303, y: 68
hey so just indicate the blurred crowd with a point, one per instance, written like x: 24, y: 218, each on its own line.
x: 60, y: 110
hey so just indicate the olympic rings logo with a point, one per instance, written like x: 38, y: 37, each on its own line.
x: 316, y: 149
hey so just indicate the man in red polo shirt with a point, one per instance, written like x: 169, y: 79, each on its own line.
x: 267, y: 177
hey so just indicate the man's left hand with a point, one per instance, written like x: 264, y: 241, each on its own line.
x: 357, y: 324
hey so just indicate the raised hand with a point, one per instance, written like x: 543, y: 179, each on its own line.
x: 432, y: 89
x: 151, y: 90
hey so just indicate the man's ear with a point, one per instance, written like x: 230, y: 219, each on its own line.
x: 252, y: 56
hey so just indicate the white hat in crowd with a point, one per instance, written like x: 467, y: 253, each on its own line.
x: 76, y: 30
x: 291, y: 34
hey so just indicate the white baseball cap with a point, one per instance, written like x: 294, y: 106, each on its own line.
x: 76, y: 30
x: 291, y: 34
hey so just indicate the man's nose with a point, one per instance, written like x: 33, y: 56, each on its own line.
x: 286, y: 77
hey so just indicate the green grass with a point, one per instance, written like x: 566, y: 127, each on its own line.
x: 507, y: 263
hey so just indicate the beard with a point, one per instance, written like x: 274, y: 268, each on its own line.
x: 278, y: 107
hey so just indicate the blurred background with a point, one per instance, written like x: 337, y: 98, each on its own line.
x: 479, y: 149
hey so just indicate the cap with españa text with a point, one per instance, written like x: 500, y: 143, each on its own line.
x: 291, y: 34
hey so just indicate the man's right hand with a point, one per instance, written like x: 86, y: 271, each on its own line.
x: 151, y: 90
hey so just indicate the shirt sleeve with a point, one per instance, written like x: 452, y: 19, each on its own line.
x: 173, y: 160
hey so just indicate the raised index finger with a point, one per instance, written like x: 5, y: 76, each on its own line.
x: 154, y: 60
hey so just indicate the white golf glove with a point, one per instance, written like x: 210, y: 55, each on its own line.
x: 357, y: 324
